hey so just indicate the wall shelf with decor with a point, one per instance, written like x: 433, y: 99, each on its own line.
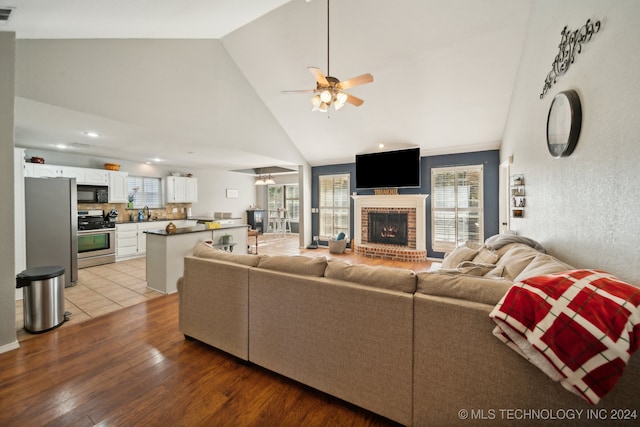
x: 517, y: 196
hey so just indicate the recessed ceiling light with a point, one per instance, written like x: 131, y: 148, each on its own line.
x: 61, y: 146
x: 92, y: 134
x: 148, y: 162
x: 381, y: 145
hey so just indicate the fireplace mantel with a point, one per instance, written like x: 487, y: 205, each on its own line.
x: 416, y: 201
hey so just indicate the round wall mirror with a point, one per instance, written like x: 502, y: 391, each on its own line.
x: 563, y: 124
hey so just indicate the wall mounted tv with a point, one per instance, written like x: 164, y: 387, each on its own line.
x: 388, y: 169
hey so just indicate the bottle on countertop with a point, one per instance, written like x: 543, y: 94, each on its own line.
x: 139, y: 215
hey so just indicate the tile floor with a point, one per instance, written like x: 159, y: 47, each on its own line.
x: 100, y: 290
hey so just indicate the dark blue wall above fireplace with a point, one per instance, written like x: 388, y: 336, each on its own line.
x: 491, y: 169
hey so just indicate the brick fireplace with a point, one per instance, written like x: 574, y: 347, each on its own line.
x: 389, y: 211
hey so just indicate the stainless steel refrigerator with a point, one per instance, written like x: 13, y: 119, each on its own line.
x: 51, y: 222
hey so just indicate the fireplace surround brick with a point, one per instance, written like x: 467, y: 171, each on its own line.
x: 387, y: 251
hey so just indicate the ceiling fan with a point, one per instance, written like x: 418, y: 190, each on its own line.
x: 330, y: 90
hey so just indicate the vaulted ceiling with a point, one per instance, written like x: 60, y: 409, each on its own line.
x: 443, y: 74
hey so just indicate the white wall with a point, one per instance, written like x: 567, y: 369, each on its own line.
x: 212, y: 194
x: 584, y: 208
x: 7, y: 256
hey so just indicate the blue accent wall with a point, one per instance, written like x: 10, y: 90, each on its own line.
x: 491, y: 170
x: 490, y: 161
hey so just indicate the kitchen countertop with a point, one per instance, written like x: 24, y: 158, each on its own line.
x: 195, y: 229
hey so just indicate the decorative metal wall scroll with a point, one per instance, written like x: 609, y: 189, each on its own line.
x: 570, y: 45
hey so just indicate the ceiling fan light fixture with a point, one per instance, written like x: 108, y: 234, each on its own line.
x: 325, y: 96
x: 323, y: 107
x: 340, y: 100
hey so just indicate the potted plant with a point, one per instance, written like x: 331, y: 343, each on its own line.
x: 131, y: 197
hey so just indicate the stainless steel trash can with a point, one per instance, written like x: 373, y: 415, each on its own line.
x: 43, y: 293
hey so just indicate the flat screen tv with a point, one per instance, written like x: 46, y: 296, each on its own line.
x: 387, y: 169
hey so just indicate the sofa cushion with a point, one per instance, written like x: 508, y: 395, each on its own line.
x: 202, y: 250
x: 462, y: 286
x: 474, y: 268
x: 396, y: 279
x: 294, y: 264
x: 542, y: 264
x: 515, y: 257
x: 459, y: 254
x: 486, y: 256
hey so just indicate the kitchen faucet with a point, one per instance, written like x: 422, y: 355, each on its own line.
x: 148, y: 212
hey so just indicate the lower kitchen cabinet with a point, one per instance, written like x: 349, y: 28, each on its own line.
x: 131, y: 239
x: 126, y: 241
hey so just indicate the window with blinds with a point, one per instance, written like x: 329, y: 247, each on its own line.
x: 146, y: 191
x: 456, y: 207
x: 334, y: 205
x: 292, y: 202
x: 284, y: 196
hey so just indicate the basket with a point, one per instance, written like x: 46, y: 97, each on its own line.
x: 337, y: 246
x: 112, y: 166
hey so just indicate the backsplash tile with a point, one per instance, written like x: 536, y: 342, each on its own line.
x: 165, y: 213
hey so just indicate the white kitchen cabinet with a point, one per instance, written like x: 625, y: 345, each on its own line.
x: 131, y: 239
x: 96, y: 177
x: 38, y: 170
x: 181, y: 189
x: 118, y: 187
x: 82, y: 175
x: 192, y: 189
x: 126, y: 241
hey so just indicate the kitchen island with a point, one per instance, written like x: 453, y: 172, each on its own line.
x: 166, y: 251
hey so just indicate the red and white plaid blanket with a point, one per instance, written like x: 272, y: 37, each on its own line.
x: 580, y: 327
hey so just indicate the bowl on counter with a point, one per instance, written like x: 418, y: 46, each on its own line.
x: 112, y: 166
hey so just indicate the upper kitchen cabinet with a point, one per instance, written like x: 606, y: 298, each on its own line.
x: 118, y: 187
x: 181, y: 189
x: 96, y: 176
x: 82, y: 175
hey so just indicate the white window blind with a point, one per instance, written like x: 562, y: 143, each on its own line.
x: 456, y: 207
x: 292, y: 202
x: 146, y: 191
x: 334, y: 205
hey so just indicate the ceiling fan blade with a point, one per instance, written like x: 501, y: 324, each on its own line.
x: 317, y: 74
x: 356, y: 81
x: 298, y: 91
x: 354, y: 100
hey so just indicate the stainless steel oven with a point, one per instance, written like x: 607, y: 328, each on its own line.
x: 96, y: 247
x: 96, y: 239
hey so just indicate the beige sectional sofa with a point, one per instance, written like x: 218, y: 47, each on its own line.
x: 415, y: 348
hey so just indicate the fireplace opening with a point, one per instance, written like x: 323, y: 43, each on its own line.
x: 389, y: 228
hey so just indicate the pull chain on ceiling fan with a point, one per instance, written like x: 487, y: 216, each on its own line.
x: 330, y: 90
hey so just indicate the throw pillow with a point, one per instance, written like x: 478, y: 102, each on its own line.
x: 458, y: 255
x: 474, y: 268
x: 486, y: 256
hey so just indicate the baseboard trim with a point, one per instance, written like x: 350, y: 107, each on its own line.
x: 9, y: 347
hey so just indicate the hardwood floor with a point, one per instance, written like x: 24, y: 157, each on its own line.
x: 133, y: 367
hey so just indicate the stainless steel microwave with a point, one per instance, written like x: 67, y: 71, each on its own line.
x: 93, y: 194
